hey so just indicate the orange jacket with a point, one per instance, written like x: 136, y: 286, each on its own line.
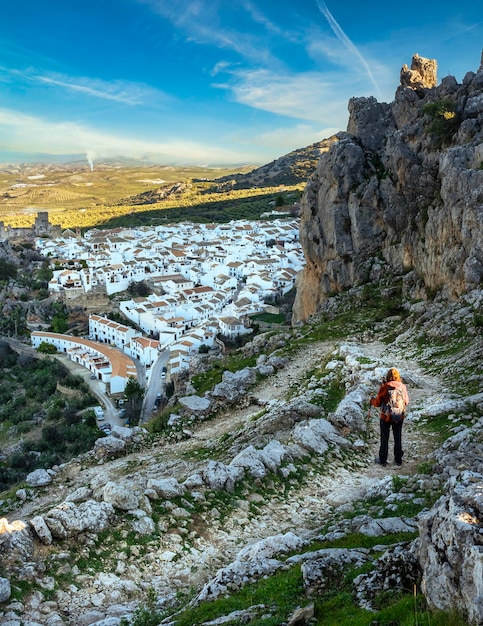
x: 382, y: 396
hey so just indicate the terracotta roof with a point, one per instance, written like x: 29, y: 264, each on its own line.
x: 122, y: 365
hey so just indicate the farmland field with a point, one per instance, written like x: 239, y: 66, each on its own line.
x: 77, y: 196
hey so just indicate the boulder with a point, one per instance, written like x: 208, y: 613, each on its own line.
x: 250, y: 460
x: 144, y: 526
x: 316, y: 435
x: 79, y: 495
x: 196, y: 404
x: 38, y: 478
x: 386, y: 526
x: 273, y: 455
x: 166, y: 488
x: 350, y: 413
x: 252, y: 563
x: 123, y: 495
x: 396, y: 570
x: 109, y: 445
x: 68, y: 519
x: 327, y: 566
x: 5, y: 590
x: 216, y: 475
x: 450, y: 552
x: 41, y: 529
x: 234, y: 384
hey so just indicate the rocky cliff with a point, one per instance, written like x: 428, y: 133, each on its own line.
x: 404, y: 183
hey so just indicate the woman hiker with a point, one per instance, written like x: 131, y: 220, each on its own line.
x: 392, y: 398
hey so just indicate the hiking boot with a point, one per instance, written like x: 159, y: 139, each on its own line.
x: 383, y: 463
x: 398, y: 463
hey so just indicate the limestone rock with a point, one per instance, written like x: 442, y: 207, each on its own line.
x: 387, y: 525
x: 5, y: 590
x: 216, y: 475
x: 79, y: 495
x: 302, y: 616
x: 68, y: 519
x: 450, y: 553
x: 16, y: 541
x: 396, y: 570
x: 251, y: 461
x: 328, y: 565
x: 41, y: 529
x: 391, y: 190
x: 109, y: 445
x: 123, y: 495
x: 196, y: 404
x: 38, y: 478
x: 252, y: 563
x: 422, y: 75
x: 166, y: 487
x: 234, y: 384
x: 316, y: 435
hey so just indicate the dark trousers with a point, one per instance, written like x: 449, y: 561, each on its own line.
x: 397, y: 434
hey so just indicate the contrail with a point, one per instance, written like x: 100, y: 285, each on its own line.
x: 339, y: 33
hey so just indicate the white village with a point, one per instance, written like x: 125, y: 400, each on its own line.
x: 205, y: 282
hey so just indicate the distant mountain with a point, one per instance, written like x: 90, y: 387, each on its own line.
x: 291, y: 169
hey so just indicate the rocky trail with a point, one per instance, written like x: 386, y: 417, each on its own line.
x: 192, y: 547
x: 285, y: 381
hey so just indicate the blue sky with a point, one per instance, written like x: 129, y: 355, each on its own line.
x: 210, y: 81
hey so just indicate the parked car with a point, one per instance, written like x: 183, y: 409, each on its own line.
x: 106, y: 428
x: 99, y: 413
x: 122, y: 412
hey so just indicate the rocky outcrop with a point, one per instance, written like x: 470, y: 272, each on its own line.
x: 451, y: 554
x: 404, y: 183
x: 422, y: 75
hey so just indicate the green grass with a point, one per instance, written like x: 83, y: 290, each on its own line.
x: 269, y: 318
x: 232, y: 362
x: 279, y: 593
x: 282, y: 592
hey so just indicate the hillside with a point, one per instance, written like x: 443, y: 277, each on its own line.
x: 293, y: 168
x: 281, y: 466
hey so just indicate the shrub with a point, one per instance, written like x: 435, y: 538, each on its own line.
x: 443, y: 119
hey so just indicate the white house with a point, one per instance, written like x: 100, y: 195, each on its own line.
x: 104, y: 330
x: 108, y: 364
x: 232, y: 327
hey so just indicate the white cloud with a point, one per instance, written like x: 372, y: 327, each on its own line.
x: 27, y: 133
x: 117, y: 90
x: 311, y: 96
x: 202, y: 23
x: 298, y: 136
x: 121, y: 91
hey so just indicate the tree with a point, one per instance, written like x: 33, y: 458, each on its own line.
x: 7, y: 270
x: 134, y: 394
x: 60, y: 319
x: 46, y: 348
x: 139, y: 289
